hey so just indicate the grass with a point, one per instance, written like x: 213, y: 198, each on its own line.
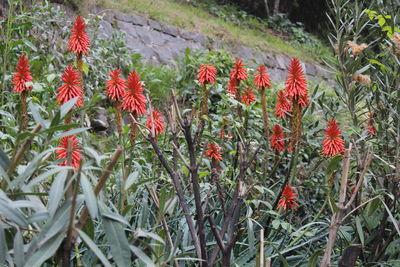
x: 252, y: 32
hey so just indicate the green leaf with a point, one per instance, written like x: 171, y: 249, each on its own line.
x: 31, y: 46
x: 118, y: 243
x: 275, y: 224
x: 360, y: 230
x: 132, y: 179
x: 90, y: 197
x: 85, y: 68
x: 36, y: 115
x: 391, y: 216
x: 4, y: 160
x: 46, y: 175
x: 12, y: 214
x: 3, y: 247
x: 140, y: 233
x: 18, y: 249
x: 93, y: 247
x: 66, y: 107
x: 37, y: 87
x: 314, y: 258
x: 142, y: 256
x: 381, y: 21
x: 71, y: 132
x: 56, y: 191
x: 283, y: 260
x: 50, y: 77
x: 45, y: 251
x: 58, y: 224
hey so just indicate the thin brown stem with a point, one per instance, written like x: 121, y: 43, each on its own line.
x: 68, y: 242
x: 24, y: 110
x: 118, y: 115
x: 21, y: 151
x: 100, y: 185
x: 265, y: 115
x: 196, y: 192
x: 337, y: 216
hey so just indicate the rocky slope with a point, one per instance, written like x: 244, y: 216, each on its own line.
x: 159, y: 44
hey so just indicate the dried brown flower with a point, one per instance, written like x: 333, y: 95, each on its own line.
x: 355, y: 48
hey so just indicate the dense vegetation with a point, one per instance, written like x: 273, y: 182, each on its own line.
x: 209, y: 164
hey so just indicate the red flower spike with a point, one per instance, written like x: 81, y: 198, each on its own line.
x: 115, y: 86
x: 156, y: 122
x: 239, y: 73
x: 232, y: 90
x: 283, y: 106
x: 63, y: 151
x: 22, y: 76
x: 276, y: 138
x: 134, y: 100
x: 370, y: 125
x: 214, y: 152
x: 333, y: 144
x: 248, y: 96
x: 71, y: 88
x: 303, y: 100
x: 79, y: 40
x: 296, y: 84
x: 206, y: 74
x: 261, y: 79
x: 287, y: 199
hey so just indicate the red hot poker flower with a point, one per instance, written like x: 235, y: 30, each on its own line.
x: 283, y: 106
x: 239, y: 73
x: 156, y: 122
x: 248, y: 96
x: 276, y: 138
x: 22, y: 76
x: 296, y: 84
x: 213, y: 152
x: 63, y: 151
x: 370, y: 125
x: 261, y: 79
x: 115, y: 86
x: 232, y: 90
x: 333, y: 144
x: 134, y: 100
x: 71, y: 88
x: 206, y: 74
x: 79, y: 40
x: 287, y: 199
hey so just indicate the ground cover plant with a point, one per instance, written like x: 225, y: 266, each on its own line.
x: 210, y: 164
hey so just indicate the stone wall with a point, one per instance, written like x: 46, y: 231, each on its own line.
x: 160, y: 43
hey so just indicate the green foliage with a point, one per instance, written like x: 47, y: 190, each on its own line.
x: 137, y: 218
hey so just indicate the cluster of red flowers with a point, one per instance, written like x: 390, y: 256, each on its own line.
x: 283, y: 106
x: 277, y: 138
x: 71, y: 88
x: 155, y: 122
x: 206, y: 74
x: 22, y: 76
x: 115, y: 86
x: 370, y: 125
x: 248, y: 96
x: 296, y: 84
x: 69, y: 145
x: 261, y: 79
x: 79, y: 40
x: 333, y: 144
x: 213, y: 152
x: 133, y: 99
x: 287, y: 199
